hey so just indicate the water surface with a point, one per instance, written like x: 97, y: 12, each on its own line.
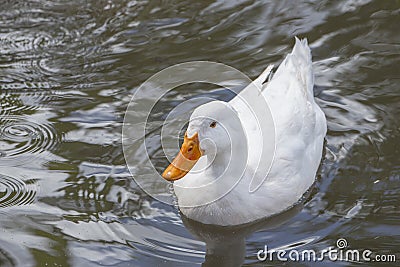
x: 68, y: 70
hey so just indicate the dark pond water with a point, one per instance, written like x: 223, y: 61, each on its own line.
x: 68, y: 70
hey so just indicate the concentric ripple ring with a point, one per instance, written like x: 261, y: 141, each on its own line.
x: 16, y: 192
x: 23, y: 138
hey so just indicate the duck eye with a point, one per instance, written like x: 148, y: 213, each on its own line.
x: 213, y: 124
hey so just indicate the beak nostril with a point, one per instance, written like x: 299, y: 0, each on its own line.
x: 185, y: 160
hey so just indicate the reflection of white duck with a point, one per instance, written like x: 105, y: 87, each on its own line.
x: 226, y: 246
x: 236, y: 168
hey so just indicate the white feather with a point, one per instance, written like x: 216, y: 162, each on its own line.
x: 292, y: 137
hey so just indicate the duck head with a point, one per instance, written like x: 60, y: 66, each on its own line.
x: 214, y: 129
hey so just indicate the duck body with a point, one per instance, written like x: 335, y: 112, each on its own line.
x: 284, y: 167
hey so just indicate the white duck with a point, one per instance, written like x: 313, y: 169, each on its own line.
x: 241, y: 161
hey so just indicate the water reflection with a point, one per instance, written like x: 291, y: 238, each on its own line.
x: 226, y: 246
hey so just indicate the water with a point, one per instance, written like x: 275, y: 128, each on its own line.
x: 68, y: 70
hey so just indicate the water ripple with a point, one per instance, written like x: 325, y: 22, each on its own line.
x: 22, y: 138
x: 12, y: 103
x: 15, y: 192
x: 24, y: 41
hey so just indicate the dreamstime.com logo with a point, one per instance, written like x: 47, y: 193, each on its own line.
x: 158, y: 114
x: 339, y: 253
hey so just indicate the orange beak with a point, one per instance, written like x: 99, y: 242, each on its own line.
x: 185, y: 160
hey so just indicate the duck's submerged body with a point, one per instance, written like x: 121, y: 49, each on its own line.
x: 294, y: 145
